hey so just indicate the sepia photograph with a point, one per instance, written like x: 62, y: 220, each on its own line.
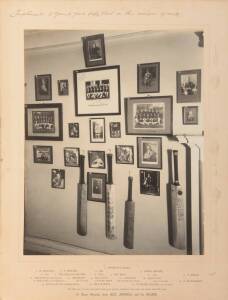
x: 96, y: 187
x: 58, y: 178
x: 96, y: 159
x: 71, y: 157
x: 148, y: 78
x: 99, y: 89
x: 97, y: 130
x: 149, y: 152
x: 43, y: 87
x: 115, y: 129
x: 124, y: 154
x: 42, y: 154
x: 190, y: 115
x: 73, y: 130
x: 94, y: 50
x: 189, y: 86
x: 63, y: 89
x: 150, y: 182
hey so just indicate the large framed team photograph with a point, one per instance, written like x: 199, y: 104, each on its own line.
x: 94, y: 50
x: 96, y: 187
x: 44, y: 122
x: 149, y: 152
x: 97, y: 91
x: 148, y: 78
x: 43, y: 87
x: 149, y: 115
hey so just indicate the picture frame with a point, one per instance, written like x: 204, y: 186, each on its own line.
x: 71, y: 157
x: 149, y: 115
x: 148, y: 77
x: 190, y: 115
x: 63, y: 87
x: 115, y: 129
x: 96, y: 187
x: 44, y: 122
x: 97, y: 130
x: 73, y: 130
x: 150, y: 182
x: 188, y: 86
x: 97, y: 91
x: 43, y: 87
x: 96, y: 159
x: 124, y: 154
x: 94, y: 50
x: 149, y: 150
x: 58, y: 178
x: 42, y: 154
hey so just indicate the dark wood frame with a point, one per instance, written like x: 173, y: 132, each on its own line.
x: 159, y: 165
x: 64, y: 151
x: 90, y: 121
x: 133, y: 154
x: 138, y: 78
x: 89, y: 159
x: 54, y: 187
x: 49, y: 97
x: 74, y: 137
x: 42, y: 162
x: 114, y: 137
x: 59, y: 92
x: 102, y: 176
x: 85, y: 41
x: 197, y: 115
x: 159, y: 181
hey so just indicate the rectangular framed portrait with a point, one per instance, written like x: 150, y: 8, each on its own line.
x: 148, y: 78
x: 96, y: 159
x: 149, y: 152
x: 97, y: 130
x: 43, y: 87
x: 150, y: 182
x: 115, y: 129
x: 43, y: 154
x: 124, y: 154
x: 71, y: 157
x: 94, y: 50
x: 63, y: 88
x: 58, y: 178
x: 97, y: 91
x: 73, y: 130
x: 96, y: 187
x: 149, y: 115
x: 190, y: 115
x: 188, y: 86
x: 43, y: 122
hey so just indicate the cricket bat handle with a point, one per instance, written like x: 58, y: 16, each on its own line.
x: 82, y: 209
x: 109, y: 162
x: 82, y: 169
x: 129, y: 218
x: 175, y: 159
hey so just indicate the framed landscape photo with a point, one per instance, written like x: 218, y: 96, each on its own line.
x: 149, y: 115
x: 115, y: 129
x: 63, y: 89
x: 189, y: 86
x: 58, y: 178
x: 96, y: 159
x: 97, y: 91
x: 190, y: 115
x: 124, y: 154
x: 94, y: 50
x: 97, y: 130
x: 43, y: 154
x: 43, y: 87
x: 96, y: 187
x: 150, y: 182
x: 71, y: 157
x: 149, y: 152
x: 148, y: 78
x: 73, y: 130
x: 44, y: 122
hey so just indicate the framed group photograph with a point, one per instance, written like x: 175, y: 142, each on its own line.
x: 96, y: 187
x: 115, y: 129
x: 71, y: 157
x: 94, y: 50
x: 124, y: 154
x: 44, y: 122
x: 63, y: 89
x: 96, y: 159
x: 97, y: 91
x: 190, y: 115
x: 148, y: 78
x: 149, y: 152
x: 149, y: 115
x: 189, y: 86
x: 97, y: 130
x: 58, y: 178
x: 43, y: 87
x: 43, y: 154
x: 150, y: 182
x: 73, y: 130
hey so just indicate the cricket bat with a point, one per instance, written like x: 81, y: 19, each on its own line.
x: 110, y: 211
x: 82, y: 200
x: 129, y: 218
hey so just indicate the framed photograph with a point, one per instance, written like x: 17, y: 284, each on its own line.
x: 150, y: 182
x: 63, y: 89
x: 97, y: 91
x: 58, y: 178
x: 96, y: 187
x: 43, y: 154
x: 148, y: 78
x: 149, y: 115
x: 96, y: 159
x: 71, y: 157
x: 124, y: 154
x: 94, y: 50
x: 115, y: 129
x: 44, y: 122
x: 190, y: 115
x: 73, y: 130
x: 149, y: 152
x: 189, y: 86
x: 43, y: 88
x: 97, y: 130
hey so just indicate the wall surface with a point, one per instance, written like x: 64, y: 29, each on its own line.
x: 51, y: 213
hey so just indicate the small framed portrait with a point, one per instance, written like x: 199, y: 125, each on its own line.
x: 124, y: 154
x: 58, y: 178
x: 71, y: 157
x: 150, y: 182
x: 149, y: 152
x: 43, y: 154
x: 190, y: 115
x: 148, y: 78
x: 115, y: 129
x: 96, y: 187
x: 96, y: 159
x: 73, y: 130
x: 94, y: 50
x: 43, y: 88
x: 189, y: 86
x: 63, y: 89
x: 97, y: 130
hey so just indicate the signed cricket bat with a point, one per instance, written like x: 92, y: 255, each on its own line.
x: 82, y: 200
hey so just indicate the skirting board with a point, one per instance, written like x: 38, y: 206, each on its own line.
x: 49, y: 247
